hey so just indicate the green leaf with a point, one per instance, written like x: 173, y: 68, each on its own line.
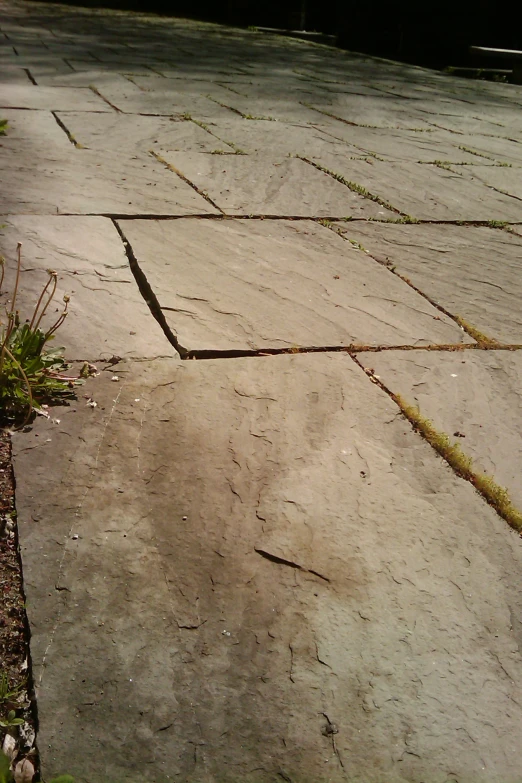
x: 5, y: 769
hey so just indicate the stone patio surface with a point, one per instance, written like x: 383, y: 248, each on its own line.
x: 251, y: 566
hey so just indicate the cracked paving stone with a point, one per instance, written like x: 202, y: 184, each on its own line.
x: 107, y: 315
x: 139, y: 523
x: 18, y: 96
x: 137, y: 134
x: 276, y: 284
x: 471, y: 271
x: 427, y: 192
x: 90, y: 181
x: 244, y: 185
x: 475, y: 398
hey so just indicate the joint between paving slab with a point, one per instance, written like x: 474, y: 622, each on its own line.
x: 353, y: 186
x: 460, y: 463
x: 172, y: 168
x: 483, y: 340
x: 148, y: 294
x: 203, y: 354
x: 66, y: 131
x: 96, y: 91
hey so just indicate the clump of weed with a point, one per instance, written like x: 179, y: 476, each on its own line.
x: 30, y: 372
x: 493, y: 493
x: 3, y: 127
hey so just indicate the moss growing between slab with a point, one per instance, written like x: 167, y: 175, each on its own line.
x: 462, y: 464
x: 483, y: 340
x: 353, y: 186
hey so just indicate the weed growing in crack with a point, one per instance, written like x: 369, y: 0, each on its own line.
x: 353, y: 186
x: 3, y: 127
x: 30, y: 374
x: 497, y: 223
x: 483, y: 340
x: 462, y: 464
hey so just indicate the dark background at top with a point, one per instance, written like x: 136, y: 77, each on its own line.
x: 429, y: 33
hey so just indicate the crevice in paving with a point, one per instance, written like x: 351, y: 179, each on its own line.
x: 148, y: 294
x: 172, y: 168
x: 461, y: 464
x: 96, y: 91
x: 30, y: 77
x: 235, y: 150
x: 66, y: 131
x: 243, y: 353
x: 353, y: 186
x: 241, y: 114
x: 482, y: 339
x: 361, y: 124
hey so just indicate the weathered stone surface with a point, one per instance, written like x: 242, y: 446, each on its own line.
x: 243, y: 185
x: 137, y: 134
x: 89, y: 181
x: 28, y: 130
x: 230, y: 551
x: 475, y: 397
x: 130, y: 99
x: 107, y: 315
x: 427, y: 192
x: 276, y: 284
x: 19, y: 96
x: 280, y: 138
x: 405, y: 145
x: 501, y: 179
x: 472, y: 271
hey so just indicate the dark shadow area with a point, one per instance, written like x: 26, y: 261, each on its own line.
x: 432, y: 34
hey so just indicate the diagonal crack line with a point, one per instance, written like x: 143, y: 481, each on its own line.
x: 66, y: 130
x: 148, y: 294
x: 460, y: 463
x: 282, y: 561
x: 172, y: 168
x: 96, y: 91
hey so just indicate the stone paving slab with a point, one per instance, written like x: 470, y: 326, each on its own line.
x: 427, y: 192
x: 34, y: 129
x: 18, y: 96
x: 275, y: 284
x: 89, y: 181
x: 504, y: 150
x: 107, y: 314
x: 314, y: 557
x: 280, y: 138
x: 501, y: 179
x: 393, y: 145
x: 138, y: 135
x: 380, y: 113
x: 474, y: 397
x: 471, y: 271
x: 243, y: 185
x: 130, y: 99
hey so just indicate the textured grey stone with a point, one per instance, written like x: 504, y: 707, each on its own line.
x: 244, y: 185
x: 474, y: 397
x: 107, y: 314
x: 277, y: 284
x: 472, y: 271
x: 428, y: 192
x: 228, y: 551
x: 137, y: 134
x: 88, y: 181
x: 19, y: 96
